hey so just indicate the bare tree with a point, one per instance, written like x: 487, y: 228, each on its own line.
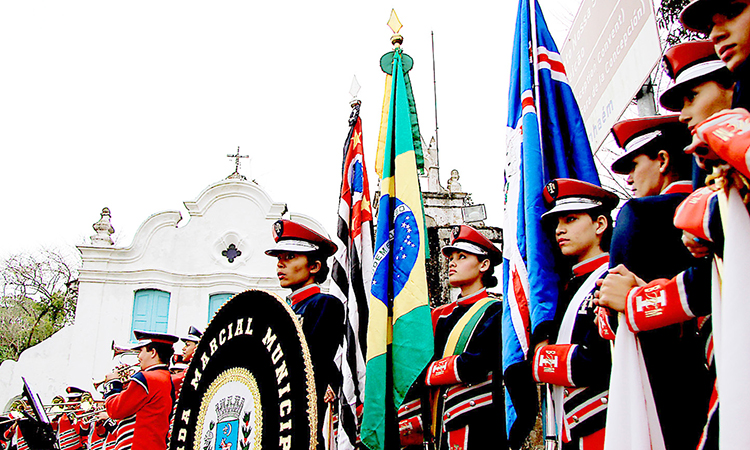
x: 39, y: 295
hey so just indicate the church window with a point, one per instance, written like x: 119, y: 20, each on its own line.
x: 214, y: 303
x: 150, y: 311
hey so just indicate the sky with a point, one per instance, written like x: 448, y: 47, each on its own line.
x: 135, y: 105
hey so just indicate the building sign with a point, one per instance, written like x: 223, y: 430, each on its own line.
x: 609, y: 53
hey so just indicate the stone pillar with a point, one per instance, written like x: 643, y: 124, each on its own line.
x: 104, y: 230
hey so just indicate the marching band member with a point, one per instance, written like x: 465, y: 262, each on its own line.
x: 98, y: 434
x: 646, y: 242
x: 301, y: 265
x: 703, y: 86
x: 188, y: 350
x: 71, y: 432
x: 144, y: 403
x: 577, y: 360
x: 467, y: 366
x: 727, y: 24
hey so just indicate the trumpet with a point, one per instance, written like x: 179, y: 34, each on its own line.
x: 122, y: 372
x: 120, y: 351
x: 58, y: 404
x: 92, y: 415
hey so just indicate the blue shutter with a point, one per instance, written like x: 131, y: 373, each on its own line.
x: 215, y: 302
x: 150, y: 311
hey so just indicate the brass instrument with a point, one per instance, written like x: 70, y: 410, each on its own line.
x: 120, y: 351
x: 123, y: 372
x: 92, y: 415
x: 19, y: 405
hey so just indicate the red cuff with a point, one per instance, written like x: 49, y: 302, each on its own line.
x: 442, y: 372
x: 603, y: 323
x: 410, y: 431
x: 728, y: 135
x: 693, y: 214
x: 658, y: 304
x: 552, y: 364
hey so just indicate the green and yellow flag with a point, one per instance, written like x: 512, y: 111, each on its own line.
x: 399, y: 332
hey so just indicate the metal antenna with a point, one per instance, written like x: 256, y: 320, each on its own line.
x: 434, y: 87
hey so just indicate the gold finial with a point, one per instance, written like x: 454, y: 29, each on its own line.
x: 395, y: 26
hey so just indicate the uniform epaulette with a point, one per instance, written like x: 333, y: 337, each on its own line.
x: 140, y: 378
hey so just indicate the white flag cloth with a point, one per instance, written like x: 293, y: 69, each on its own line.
x: 731, y: 333
x: 632, y: 421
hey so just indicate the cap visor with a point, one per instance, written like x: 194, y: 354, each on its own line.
x: 622, y: 164
x: 291, y: 246
x: 569, y: 207
x: 463, y: 247
x: 189, y: 339
x: 672, y: 98
x: 698, y: 16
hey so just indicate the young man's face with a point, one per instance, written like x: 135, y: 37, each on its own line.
x: 698, y: 104
x: 730, y: 33
x: 147, y: 358
x: 294, y: 270
x: 576, y: 235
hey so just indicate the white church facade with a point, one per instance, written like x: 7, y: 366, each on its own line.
x: 177, y: 272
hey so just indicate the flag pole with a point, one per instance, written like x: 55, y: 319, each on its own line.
x: 434, y: 90
x: 546, y: 410
x: 535, y: 69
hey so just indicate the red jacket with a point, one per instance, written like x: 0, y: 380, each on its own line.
x: 143, y: 410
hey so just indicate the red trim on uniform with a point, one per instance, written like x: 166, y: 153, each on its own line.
x: 586, y: 410
x: 471, y: 403
x: 443, y: 371
x: 659, y: 303
x: 678, y: 187
x: 462, y: 388
x: 594, y: 441
x: 692, y: 215
x: 304, y: 293
x: 441, y: 312
x: 552, y: 364
x: 590, y: 265
x: 713, y: 406
x: 727, y: 135
x: 410, y: 431
x: 458, y: 439
x: 603, y: 324
x: 473, y: 298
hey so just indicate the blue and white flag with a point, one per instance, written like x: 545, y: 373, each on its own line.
x: 546, y: 139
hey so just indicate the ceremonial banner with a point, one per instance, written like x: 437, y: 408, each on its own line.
x: 352, y: 275
x: 546, y: 139
x: 399, y: 339
x: 250, y: 384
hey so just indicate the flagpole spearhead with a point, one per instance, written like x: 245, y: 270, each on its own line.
x: 353, y: 91
x: 395, y: 26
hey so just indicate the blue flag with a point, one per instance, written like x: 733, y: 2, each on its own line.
x: 546, y: 140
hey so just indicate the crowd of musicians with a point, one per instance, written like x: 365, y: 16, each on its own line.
x: 650, y: 270
x: 137, y: 406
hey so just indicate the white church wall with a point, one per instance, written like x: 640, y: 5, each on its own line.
x: 181, y: 256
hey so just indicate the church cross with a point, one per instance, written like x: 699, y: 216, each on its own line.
x: 237, y: 157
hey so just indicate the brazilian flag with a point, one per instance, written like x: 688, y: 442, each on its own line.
x: 399, y: 333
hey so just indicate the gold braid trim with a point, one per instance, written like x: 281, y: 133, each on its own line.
x: 725, y: 177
